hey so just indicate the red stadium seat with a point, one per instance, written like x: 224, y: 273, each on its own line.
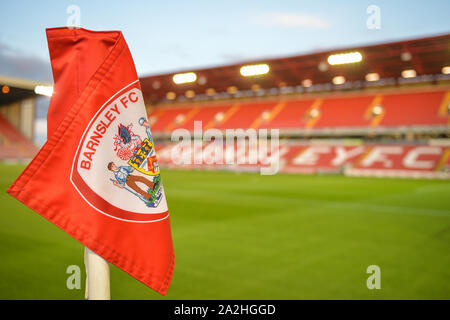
x: 292, y: 115
x: 165, y: 118
x: 248, y: 115
x: 408, y: 109
x: 344, y: 112
x: 13, y: 144
x: 207, y: 117
x: 349, y: 111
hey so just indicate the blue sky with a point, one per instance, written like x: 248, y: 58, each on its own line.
x: 177, y: 35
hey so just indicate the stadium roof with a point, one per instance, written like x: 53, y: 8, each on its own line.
x: 15, y: 89
x: 427, y: 56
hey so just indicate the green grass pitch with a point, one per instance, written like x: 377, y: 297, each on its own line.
x: 247, y: 236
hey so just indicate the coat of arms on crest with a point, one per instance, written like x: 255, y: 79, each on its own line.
x: 140, y: 156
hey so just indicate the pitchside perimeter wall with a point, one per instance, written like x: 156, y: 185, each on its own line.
x: 430, y: 160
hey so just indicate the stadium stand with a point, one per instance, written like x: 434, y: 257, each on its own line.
x: 18, y: 98
x: 396, y: 126
x: 13, y: 144
x: 290, y: 116
x: 245, y: 115
x: 166, y: 119
x: 414, y: 108
x: 332, y: 111
x: 210, y: 116
x: 384, y: 126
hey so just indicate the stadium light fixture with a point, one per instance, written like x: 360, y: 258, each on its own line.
x: 373, y: 76
x: 232, y: 89
x: 187, y: 77
x: 44, y: 90
x: 307, y: 83
x: 254, y: 70
x: 210, y: 92
x: 202, y: 80
x: 5, y: 89
x: 338, y: 80
x: 446, y: 70
x: 406, y: 56
x: 171, y: 95
x: 156, y: 85
x: 190, y: 94
x: 322, y: 66
x: 256, y: 87
x: 344, y: 58
x: 409, y: 73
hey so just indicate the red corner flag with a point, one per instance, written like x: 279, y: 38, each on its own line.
x: 97, y: 176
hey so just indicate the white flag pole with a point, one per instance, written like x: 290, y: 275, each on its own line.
x: 97, y: 276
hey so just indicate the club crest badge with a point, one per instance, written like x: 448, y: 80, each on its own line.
x: 116, y: 169
x: 140, y: 156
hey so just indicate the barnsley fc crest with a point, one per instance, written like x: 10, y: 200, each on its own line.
x: 140, y: 156
x: 116, y: 169
x: 144, y: 159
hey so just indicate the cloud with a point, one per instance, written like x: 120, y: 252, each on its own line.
x: 295, y: 20
x: 16, y: 63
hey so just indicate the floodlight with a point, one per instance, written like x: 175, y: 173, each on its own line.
x: 372, y: 77
x: 187, y: 77
x: 343, y: 58
x: 44, y: 90
x: 409, y: 73
x: 338, y: 80
x: 254, y: 70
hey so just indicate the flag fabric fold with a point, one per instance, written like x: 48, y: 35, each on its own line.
x: 97, y: 177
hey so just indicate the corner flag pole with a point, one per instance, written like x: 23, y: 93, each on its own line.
x: 97, y: 276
